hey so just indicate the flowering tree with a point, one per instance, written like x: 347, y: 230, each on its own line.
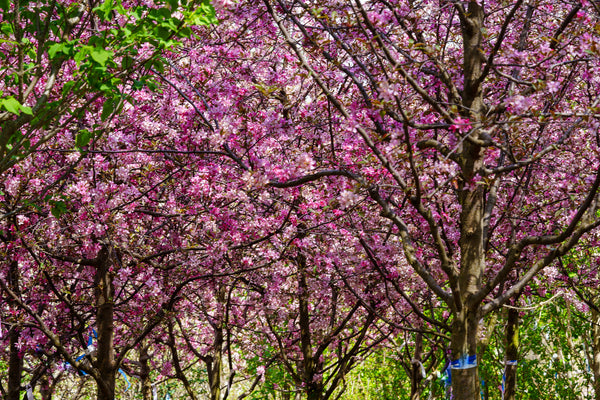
x: 451, y: 146
x: 68, y: 68
x: 318, y: 328
x: 471, y: 125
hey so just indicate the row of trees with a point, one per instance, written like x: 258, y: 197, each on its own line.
x: 297, y: 184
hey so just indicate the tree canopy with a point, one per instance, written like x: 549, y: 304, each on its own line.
x: 287, y: 186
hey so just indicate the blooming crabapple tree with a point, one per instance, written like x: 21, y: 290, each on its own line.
x: 315, y: 326
x: 472, y: 126
x: 62, y: 63
x: 229, y: 114
x: 208, y: 329
x: 139, y: 224
x: 457, y: 139
x: 264, y: 125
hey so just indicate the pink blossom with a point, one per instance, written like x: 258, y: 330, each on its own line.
x: 461, y: 125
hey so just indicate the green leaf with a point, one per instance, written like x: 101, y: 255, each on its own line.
x: 137, y: 85
x: 185, y: 32
x: 105, y: 10
x: 127, y: 62
x: 83, y: 138
x: 96, y: 41
x: 66, y: 89
x: 57, y: 48
x: 5, y: 5
x: 82, y: 54
x: 159, y: 65
x: 164, y: 12
x: 27, y: 110
x: 58, y: 208
x: 100, y: 55
x: 11, y: 105
x: 203, y: 15
x: 107, y: 108
x: 6, y: 28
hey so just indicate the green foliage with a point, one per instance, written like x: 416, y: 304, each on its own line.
x: 59, y: 208
x: 203, y: 14
x: 5, y: 5
x: 380, y: 376
x: 277, y: 381
x: 555, y: 347
x: 554, y: 352
x: 42, y: 38
x: 13, y: 106
x: 83, y: 138
x: 552, y: 355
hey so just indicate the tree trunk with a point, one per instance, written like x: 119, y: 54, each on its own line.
x: 465, y: 377
x: 314, y: 393
x: 180, y: 374
x: 464, y: 370
x: 596, y: 351
x: 416, y: 373
x: 512, y: 353
x: 310, y: 366
x: 46, y: 388
x: 15, y: 364
x: 105, y: 358
x: 215, y: 366
x: 48, y: 385
x: 144, y: 357
x: 15, y: 361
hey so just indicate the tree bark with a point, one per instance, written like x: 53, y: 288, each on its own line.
x: 15, y: 361
x: 465, y: 377
x: 15, y: 364
x: 105, y: 358
x: 464, y: 370
x: 416, y: 374
x: 512, y: 354
x: 214, y: 366
x: 596, y: 351
x: 144, y: 357
x: 177, y: 364
x: 310, y: 366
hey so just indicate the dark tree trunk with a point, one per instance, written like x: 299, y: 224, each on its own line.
x: 15, y: 361
x: 310, y: 366
x: 46, y: 388
x: 15, y: 365
x: 48, y: 385
x: 416, y: 373
x: 596, y: 351
x: 512, y: 354
x: 215, y: 365
x: 105, y: 357
x: 144, y: 357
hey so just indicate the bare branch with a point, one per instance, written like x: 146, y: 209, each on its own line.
x: 313, y: 177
